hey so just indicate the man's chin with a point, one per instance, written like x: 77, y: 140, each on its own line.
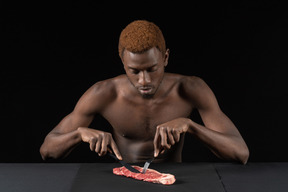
x: 147, y: 96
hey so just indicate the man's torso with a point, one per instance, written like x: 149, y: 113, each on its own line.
x: 134, y: 119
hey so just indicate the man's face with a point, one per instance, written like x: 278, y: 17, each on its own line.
x: 145, y: 70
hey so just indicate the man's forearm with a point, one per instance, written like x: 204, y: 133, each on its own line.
x: 229, y: 147
x: 59, y: 145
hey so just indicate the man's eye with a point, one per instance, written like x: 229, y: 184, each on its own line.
x: 152, y: 69
x: 134, y: 71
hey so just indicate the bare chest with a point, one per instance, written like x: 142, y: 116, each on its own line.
x: 139, y: 120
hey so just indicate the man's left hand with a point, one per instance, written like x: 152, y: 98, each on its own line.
x: 167, y: 134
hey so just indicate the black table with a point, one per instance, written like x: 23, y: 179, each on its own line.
x: 197, y: 177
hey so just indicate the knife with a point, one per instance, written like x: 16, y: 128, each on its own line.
x: 128, y: 166
x: 146, y: 165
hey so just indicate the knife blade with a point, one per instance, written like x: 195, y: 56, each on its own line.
x: 128, y: 166
x: 147, y: 164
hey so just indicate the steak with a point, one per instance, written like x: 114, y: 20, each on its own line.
x: 151, y: 175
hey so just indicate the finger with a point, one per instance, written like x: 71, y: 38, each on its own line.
x: 92, y: 142
x: 98, y: 145
x: 163, y: 134
x: 176, y: 135
x: 156, y: 142
x: 104, y: 146
x: 115, y: 150
x: 171, y: 137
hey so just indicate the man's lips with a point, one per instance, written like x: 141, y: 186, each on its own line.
x: 145, y: 89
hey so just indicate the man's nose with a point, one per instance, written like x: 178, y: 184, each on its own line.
x: 144, y: 78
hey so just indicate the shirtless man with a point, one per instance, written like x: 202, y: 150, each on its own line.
x: 148, y: 109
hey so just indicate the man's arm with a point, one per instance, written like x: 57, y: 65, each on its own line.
x: 219, y: 133
x: 62, y: 139
x: 73, y: 129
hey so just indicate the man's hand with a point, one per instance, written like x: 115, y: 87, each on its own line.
x: 99, y: 141
x: 167, y: 134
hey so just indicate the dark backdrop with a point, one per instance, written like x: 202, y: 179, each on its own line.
x: 54, y: 52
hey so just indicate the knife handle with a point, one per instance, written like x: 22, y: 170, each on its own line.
x: 113, y: 156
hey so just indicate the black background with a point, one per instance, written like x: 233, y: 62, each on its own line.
x: 52, y: 52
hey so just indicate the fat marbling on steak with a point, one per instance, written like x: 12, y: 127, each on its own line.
x: 151, y: 175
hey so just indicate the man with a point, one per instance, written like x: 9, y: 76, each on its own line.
x: 148, y: 109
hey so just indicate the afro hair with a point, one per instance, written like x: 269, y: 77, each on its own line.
x: 139, y: 36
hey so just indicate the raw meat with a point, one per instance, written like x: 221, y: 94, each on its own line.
x: 151, y: 175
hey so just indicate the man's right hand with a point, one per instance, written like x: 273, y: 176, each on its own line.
x: 101, y: 142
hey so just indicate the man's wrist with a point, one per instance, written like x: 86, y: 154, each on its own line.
x: 190, y: 126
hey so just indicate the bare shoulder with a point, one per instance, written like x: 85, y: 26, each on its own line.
x: 193, y: 83
x: 194, y: 88
x: 107, y: 87
x: 99, y: 95
x: 188, y: 83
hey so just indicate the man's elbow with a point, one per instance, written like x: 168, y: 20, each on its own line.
x: 243, y: 155
x: 45, y: 153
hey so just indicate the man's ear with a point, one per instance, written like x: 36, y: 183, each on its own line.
x: 122, y: 60
x: 166, y: 57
